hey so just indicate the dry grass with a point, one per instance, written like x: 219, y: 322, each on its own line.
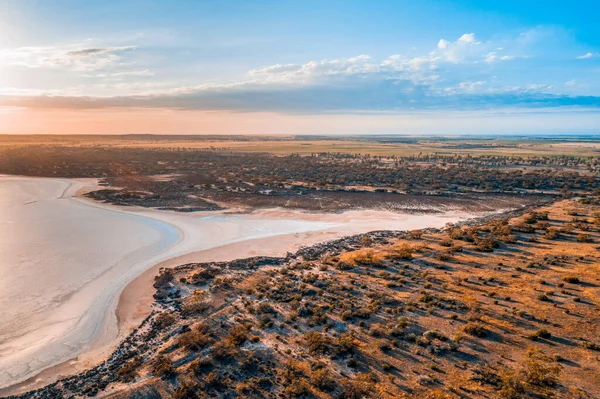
x: 289, y: 145
x: 391, y: 325
x: 367, y: 257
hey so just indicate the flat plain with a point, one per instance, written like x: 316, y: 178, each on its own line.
x: 504, y: 305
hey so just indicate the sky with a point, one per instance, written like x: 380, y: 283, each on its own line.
x: 299, y: 67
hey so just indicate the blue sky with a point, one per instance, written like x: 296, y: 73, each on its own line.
x: 485, y: 66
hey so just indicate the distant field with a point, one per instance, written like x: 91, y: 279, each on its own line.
x: 385, y: 149
x: 358, y: 145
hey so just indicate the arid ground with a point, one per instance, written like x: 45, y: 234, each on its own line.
x: 505, y: 306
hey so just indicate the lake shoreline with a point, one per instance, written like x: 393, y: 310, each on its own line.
x: 134, y: 301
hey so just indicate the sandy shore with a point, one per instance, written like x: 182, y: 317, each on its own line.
x: 228, y: 237
x: 136, y: 301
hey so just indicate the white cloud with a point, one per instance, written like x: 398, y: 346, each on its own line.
x: 275, y: 69
x: 456, y: 51
x: 467, y: 38
x: 419, y: 69
x: 91, y: 52
x: 588, y: 55
x: 75, y: 57
x: 313, y: 70
x: 464, y: 87
x: 435, y: 79
x: 493, y: 57
x: 142, y: 72
x: 471, y: 86
x: 538, y: 87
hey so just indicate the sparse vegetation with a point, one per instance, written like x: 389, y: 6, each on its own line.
x: 571, y: 279
x: 386, y: 314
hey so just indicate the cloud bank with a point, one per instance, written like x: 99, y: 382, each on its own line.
x: 459, y: 74
x: 75, y: 57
